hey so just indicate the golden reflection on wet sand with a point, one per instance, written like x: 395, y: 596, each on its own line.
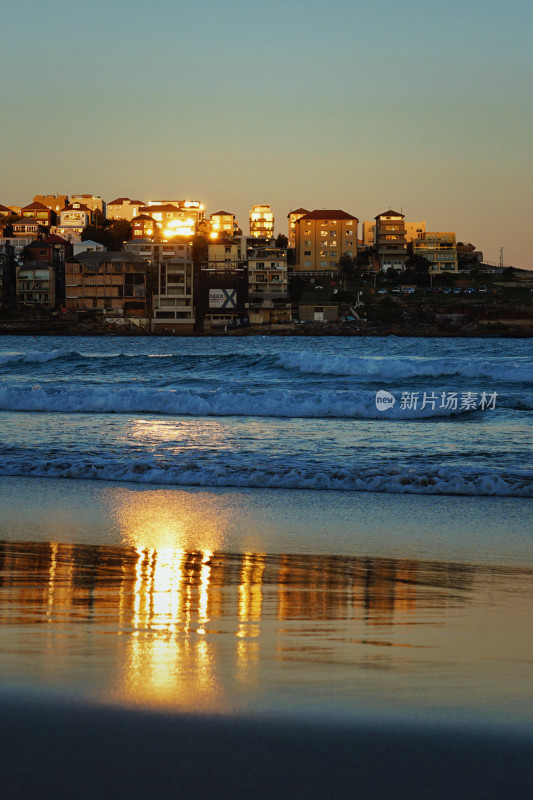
x: 211, y: 631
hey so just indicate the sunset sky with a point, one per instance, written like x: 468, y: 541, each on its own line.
x: 424, y: 107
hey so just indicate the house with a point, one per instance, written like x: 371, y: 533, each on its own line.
x: 124, y: 208
x: 261, y: 222
x: 53, y: 250
x: 93, y: 203
x: 55, y: 202
x: 144, y: 227
x: 322, y: 237
x: 171, y: 220
x: 39, y: 212
x: 72, y: 221
x: 5, y: 211
x: 29, y: 227
x: 87, y: 246
x: 113, y: 282
x: 268, y: 292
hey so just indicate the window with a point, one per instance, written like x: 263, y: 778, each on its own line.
x: 333, y: 233
x: 307, y: 252
x: 323, y: 233
x: 333, y: 253
x: 323, y: 263
x: 307, y: 243
x: 307, y: 263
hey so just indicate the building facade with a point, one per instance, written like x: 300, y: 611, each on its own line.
x: 114, y: 283
x: 261, y: 222
x: 439, y: 248
x: 390, y: 240
x: 293, y: 217
x: 36, y: 285
x: 268, y: 291
x: 322, y: 237
x: 124, y: 208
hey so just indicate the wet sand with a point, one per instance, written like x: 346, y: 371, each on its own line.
x: 52, y: 750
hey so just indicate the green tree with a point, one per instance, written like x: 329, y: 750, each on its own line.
x: 121, y: 229
x: 102, y: 236
x: 281, y: 240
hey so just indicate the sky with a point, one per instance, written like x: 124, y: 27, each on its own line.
x: 422, y: 107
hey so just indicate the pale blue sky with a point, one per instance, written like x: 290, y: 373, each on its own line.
x: 422, y: 106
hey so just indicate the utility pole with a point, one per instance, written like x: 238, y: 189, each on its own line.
x: 501, y: 256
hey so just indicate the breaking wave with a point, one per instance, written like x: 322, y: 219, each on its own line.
x: 214, y: 402
x: 437, y: 481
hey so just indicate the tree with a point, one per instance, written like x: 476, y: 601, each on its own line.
x: 102, y: 236
x: 121, y: 229
x: 281, y: 240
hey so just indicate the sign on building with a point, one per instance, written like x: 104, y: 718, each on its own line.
x: 222, y: 298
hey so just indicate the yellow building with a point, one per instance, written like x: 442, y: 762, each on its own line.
x: 261, y: 222
x: 224, y: 254
x: 322, y: 237
x: 293, y: 217
x: 439, y: 248
x: 222, y: 223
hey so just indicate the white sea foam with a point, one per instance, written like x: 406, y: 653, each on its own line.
x: 217, y: 402
x: 401, y: 367
x: 439, y: 481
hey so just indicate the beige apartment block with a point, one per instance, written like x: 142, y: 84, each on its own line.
x: 93, y: 202
x: 55, y: 202
x: 36, y: 282
x: 439, y: 247
x: 261, y: 222
x: 221, y: 223
x: 293, y: 217
x: 114, y: 283
x: 224, y: 254
x: 322, y: 237
x: 124, y: 208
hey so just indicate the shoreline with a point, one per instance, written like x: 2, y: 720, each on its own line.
x: 497, y: 330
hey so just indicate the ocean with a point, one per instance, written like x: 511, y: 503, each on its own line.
x: 322, y: 527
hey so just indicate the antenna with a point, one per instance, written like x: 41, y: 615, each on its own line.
x: 501, y: 256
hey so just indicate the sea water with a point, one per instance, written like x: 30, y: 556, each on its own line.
x: 230, y: 524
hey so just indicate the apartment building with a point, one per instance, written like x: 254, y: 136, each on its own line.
x: 72, y: 221
x: 261, y: 222
x: 55, y: 202
x: 114, y: 283
x: 124, y: 208
x: 40, y: 213
x: 268, y: 290
x: 322, y: 237
x: 293, y: 217
x: 390, y: 240
x: 439, y: 248
x: 413, y: 230
x: 36, y: 285
x: 171, y: 268
x: 222, y: 223
x: 93, y: 203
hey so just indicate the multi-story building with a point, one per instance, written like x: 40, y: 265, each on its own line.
x: 56, y: 202
x: 222, y: 223
x: 124, y: 208
x: 322, y: 237
x: 5, y: 211
x: 18, y: 245
x: 192, y: 213
x: 413, y: 230
x: 39, y: 212
x: 27, y: 227
x: 390, y: 240
x: 268, y: 291
x: 72, y: 221
x: 173, y: 294
x: 293, y: 217
x: 36, y: 285
x: 439, y: 249
x: 7, y: 273
x: 261, y: 222
x: 114, y: 283
x: 92, y: 202
x: 224, y: 254
x: 169, y: 220
x: 53, y: 250
x: 144, y: 227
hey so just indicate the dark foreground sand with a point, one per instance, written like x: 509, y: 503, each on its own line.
x: 56, y: 750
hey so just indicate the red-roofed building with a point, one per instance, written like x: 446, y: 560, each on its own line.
x: 38, y: 211
x: 322, y: 237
